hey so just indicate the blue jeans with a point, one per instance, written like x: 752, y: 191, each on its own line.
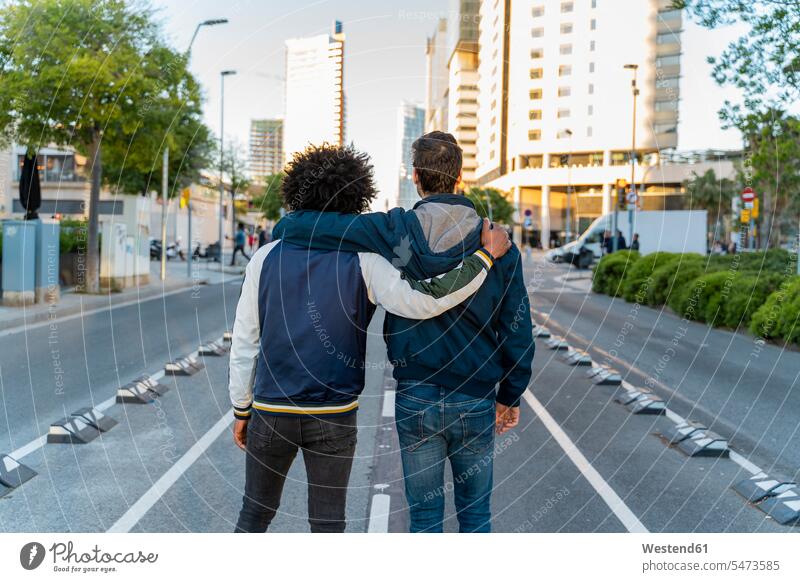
x: 435, y: 424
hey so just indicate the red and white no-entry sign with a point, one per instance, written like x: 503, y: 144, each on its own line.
x: 748, y: 196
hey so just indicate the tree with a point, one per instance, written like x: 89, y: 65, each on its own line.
x: 270, y: 201
x: 78, y: 73
x: 772, y: 169
x: 764, y: 62
x: 234, y: 167
x: 172, y: 118
x: 707, y: 192
x: 484, y: 198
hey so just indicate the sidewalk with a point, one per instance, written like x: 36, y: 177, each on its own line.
x: 204, y: 273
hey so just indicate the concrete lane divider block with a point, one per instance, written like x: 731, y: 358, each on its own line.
x: 183, y: 367
x: 704, y: 443
x: 575, y: 357
x: 541, y: 332
x: 682, y: 431
x: 95, y: 418
x: 227, y: 337
x: 557, y: 343
x: 135, y: 393
x: 606, y: 377
x: 72, y: 431
x: 647, y: 404
x: 195, y: 363
x: 212, y: 349
x: 784, y: 507
x: 13, y: 474
x: 152, y: 385
x: 759, y: 487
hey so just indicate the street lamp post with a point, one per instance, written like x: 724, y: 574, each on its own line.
x: 635, y: 94
x: 222, y: 76
x: 210, y: 22
x: 568, y: 233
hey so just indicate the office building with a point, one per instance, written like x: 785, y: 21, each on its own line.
x: 266, y: 148
x: 555, y: 106
x: 410, y: 125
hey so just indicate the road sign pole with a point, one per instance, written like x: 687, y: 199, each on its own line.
x: 189, y: 235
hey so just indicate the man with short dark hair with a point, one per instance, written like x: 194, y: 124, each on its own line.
x: 299, y: 340
x: 463, y: 373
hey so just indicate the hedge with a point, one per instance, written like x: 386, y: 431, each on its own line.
x: 638, y: 276
x: 779, y: 317
x: 701, y: 299
x: 669, y: 277
x: 611, y: 270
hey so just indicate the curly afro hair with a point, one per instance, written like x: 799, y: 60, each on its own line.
x: 329, y: 178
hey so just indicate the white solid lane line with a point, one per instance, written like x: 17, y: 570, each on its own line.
x: 604, y: 490
x: 40, y: 441
x: 136, y: 511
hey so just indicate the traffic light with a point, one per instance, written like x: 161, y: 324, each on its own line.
x: 622, y: 203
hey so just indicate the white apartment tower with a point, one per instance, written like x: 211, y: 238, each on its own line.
x: 556, y: 106
x: 315, y: 100
x: 410, y: 125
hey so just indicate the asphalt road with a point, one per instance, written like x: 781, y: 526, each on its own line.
x: 741, y: 388
x: 50, y: 369
x: 578, y: 462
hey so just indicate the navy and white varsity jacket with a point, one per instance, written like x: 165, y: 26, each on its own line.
x: 300, y: 334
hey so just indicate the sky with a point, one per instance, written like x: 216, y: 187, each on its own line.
x: 384, y: 65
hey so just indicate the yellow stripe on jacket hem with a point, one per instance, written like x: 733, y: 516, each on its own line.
x: 305, y: 409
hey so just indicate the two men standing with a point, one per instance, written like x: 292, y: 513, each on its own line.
x: 464, y: 370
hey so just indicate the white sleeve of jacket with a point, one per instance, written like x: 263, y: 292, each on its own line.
x: 387, y: 287
x: 246, y: 340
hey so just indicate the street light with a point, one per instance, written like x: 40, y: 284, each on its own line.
x: 211, y: 22
x: 635, y: 94
x: 222, y: 76
x: 568, y: 233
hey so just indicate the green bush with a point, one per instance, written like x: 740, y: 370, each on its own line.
x: 747, y: 294
x: 773, y: 260
x: 702, y: 299
x: 611, y: 270
x: 637, y: 278
x: 672, y: 275
x: 779, y: 317
x: 72, y: 235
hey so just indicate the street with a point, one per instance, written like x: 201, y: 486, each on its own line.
x: 578, y: 462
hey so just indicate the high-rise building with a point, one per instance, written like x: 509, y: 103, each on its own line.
x: 266, y: 148
x: 462, y: 97
x: 315, y: 100
x: 452, y: 80
x: 410, y: 125
x: 437, y: 81
x: 555, y: 105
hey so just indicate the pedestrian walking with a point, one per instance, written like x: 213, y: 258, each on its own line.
x: 239, y: 240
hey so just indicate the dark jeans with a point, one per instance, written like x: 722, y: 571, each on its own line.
x: 435, y: 424
x: 328, y: 446
x: 240, y: 249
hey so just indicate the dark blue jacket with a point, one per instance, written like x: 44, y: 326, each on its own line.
x: 472, y: 348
